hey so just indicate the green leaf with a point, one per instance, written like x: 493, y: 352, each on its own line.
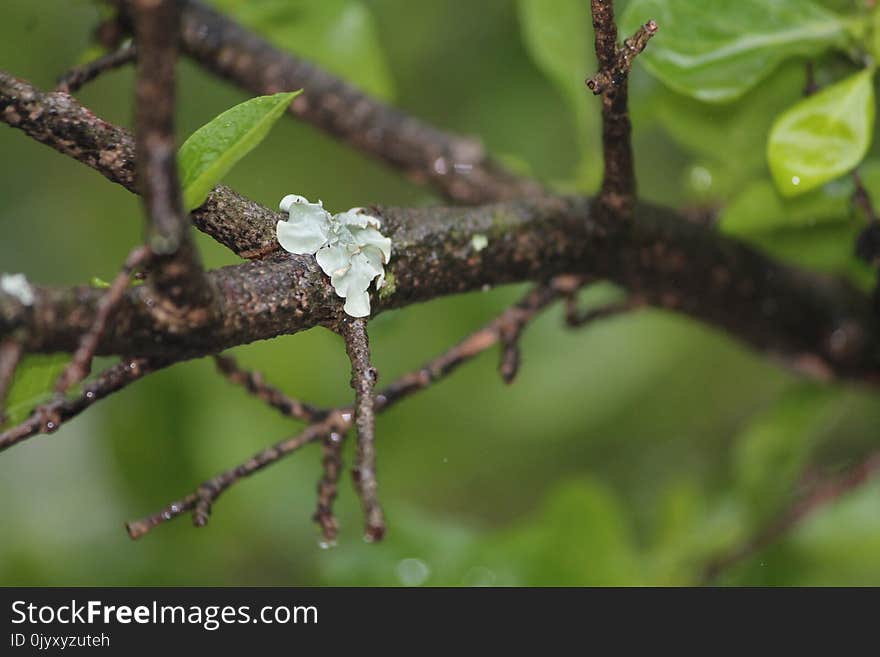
x: 340, y: 35
x: 823, y: 136
x: 212, y: 150
x: 33, y: 384
x: 816, y: 230
x: 734, y: 133
x: 715, y: 50
x: 580, y: 537
x: 559, y: 39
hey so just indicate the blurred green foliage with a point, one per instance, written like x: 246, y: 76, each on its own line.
x: 630, y: 452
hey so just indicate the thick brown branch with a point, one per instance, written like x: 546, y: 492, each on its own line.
x: 184, y: 295
x: 457, y: 167
x: 253, y: 382
x: 823, y: 325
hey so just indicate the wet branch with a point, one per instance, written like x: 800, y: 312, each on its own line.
x: 183, y: 293
x: 339, y: 421
x: 77, y: 77
x: 81, y: 364
x: 611, y: 82
x: 49, y: 417
x: 363, y: 378
x: 457, y: 167
x: 254, y: 383
x: 11, y: 352
x: 821, y: 494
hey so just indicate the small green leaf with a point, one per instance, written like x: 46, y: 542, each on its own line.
x: 715, y: 50
x: 33, y: 384
x: 212, y: 150
x: 822, y: 136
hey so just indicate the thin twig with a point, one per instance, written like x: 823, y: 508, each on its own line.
x: 81, y: 364
x: 208, y: 492
x: 253, y: 382
x: 74, y: 79
x: 823, y: 493
x: 611, y: 82
x: 340, y: 420
x: 576, y: 318
x: 363, y: 378
x: 11, y: 352
x: 331, y: 464
x: 49, y: 417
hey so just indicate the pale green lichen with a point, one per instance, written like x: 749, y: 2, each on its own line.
x: 348, y: 247
x: 479, y: 242
x: 389, y: 287
x: 17, y: 285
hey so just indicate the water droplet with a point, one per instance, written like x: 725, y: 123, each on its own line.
x: 479, y: 576
x: 166, y: 515
x: 326, y: 545
x: 413, y: 572
x: 175, y: 508
x: 795, y: 180
x: 90, y: 394
x: 346, y: 417
x: 700, y: 179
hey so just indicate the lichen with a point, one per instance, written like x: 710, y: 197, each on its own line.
x: 17, y: 285
x: 389, y: 287
x: 479, y: 242
x: 347, y: 246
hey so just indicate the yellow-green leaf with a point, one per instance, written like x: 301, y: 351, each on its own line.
x: 212, y: 150
x: 822, y: 136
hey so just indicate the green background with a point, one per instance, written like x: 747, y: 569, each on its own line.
x: 629, y: 452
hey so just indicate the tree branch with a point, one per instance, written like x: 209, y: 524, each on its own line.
x: 11, y: 352
x: 184, y: 295
x: 79, y: 76
x: 611, y: 82
x: 363, y: 378
x: 820, y: 494
x: 253, y: 382
x: 339, y: 421
x: 457, y: 167
x: 48, y: 418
